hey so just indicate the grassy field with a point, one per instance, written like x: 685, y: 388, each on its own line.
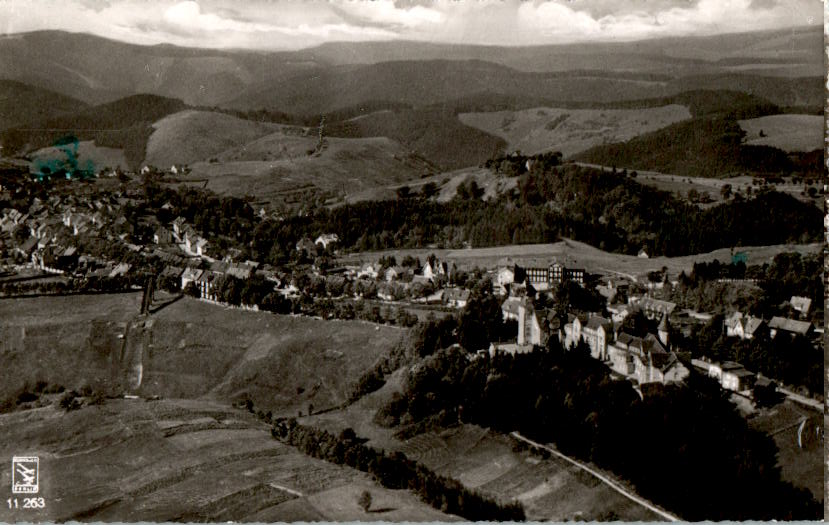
x: 191, y: 461
x: 190, y: 136
x: 189, y: 349
x: 787, y: 132
x: 678, y: 184
x: 344, y: 166
x: 579, y: 254
x: 571, y: 131
x: 87, y: 155
x: 189, y: 456
x: 801, y: 466
x: 447, y: 183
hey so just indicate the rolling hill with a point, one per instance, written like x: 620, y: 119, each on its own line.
x: 20, y: 103
x: 445, y: 82
x: 190, y: 136
x: 429, y: 132
x: 571, y: 131
x: 189, y: 456
x: 124, y: 124
x: 787, y: 132
x: 283, y: 163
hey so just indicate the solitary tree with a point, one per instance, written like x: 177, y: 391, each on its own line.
x: 364, y: 500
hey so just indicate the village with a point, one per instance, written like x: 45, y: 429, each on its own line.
x: 82, y: 240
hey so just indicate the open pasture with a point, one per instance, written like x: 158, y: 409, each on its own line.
x: 789, y: 132
x: 572, y: 131
x: 579, y: 254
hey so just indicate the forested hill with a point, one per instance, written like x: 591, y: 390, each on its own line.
x: 708, y: 145
x: 612, y: 212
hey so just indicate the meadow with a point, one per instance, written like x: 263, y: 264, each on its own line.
x: 189, y: 349
x: 571, y: 131
x: 580, y: 255
x: 789, y: 132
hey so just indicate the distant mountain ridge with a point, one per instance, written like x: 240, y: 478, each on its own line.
x: 96, y: 70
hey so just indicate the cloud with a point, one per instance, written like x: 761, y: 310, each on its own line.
x: 188, y: 17
x: 385, y: 12
x: 290, y: 24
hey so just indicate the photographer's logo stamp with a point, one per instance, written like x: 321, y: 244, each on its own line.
x: 25, y: 474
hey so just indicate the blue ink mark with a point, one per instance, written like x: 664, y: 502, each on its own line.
x: 68, y: 166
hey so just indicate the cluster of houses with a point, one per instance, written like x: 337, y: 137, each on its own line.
x: 750, y: 327
x: 190, y: 240
x: 431, y: 274
x: 649, y: 359
x: 44, y: 235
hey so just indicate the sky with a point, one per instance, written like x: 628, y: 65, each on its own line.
x: 293, y: 24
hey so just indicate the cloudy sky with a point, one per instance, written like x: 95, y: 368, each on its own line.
x: 291, y: 24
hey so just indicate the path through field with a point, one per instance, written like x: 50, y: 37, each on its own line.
x: 615, y: 486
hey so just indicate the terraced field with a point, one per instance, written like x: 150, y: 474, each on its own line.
x: 189, y: 456
x: 549, y: 489
x: 135, y: 460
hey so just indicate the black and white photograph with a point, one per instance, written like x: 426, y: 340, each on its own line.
x: 413, y: 261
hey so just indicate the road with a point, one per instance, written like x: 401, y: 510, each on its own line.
x: 609, y: 168
x: 612, y: 484
x: 797, y: 398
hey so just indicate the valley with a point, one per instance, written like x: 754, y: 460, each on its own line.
x: 386, y: 272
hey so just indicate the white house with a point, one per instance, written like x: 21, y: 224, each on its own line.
x: 801, y: 304
x: 327, y: 240
x: 503, y: 278
x: 597, y: 332
x: 432, y: 270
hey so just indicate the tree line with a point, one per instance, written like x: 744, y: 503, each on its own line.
x: 684, y: 446
x: 395, y: 471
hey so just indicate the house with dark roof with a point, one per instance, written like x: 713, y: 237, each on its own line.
x: 732, y: 376
x: 306, y: 245
x: 435, y: 269
x: 790, y: 326
x: 456, y: 297
x: 510, y: 307
x: 504, y: 277
x: 26, y: 248
x: 745, y: 327
x: 536, y: 325
x: 205, y: 283
x: 162, y: 236
x: 653, y: 308
x: 171, y: 273
x: 395, y: 273
x: 647, y: 359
